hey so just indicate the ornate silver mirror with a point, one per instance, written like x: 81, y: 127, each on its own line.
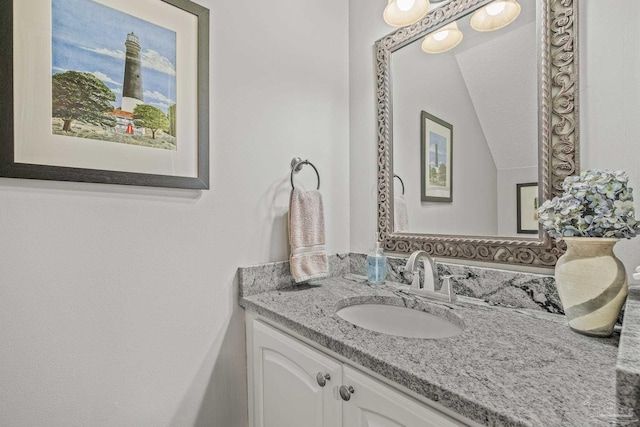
x: 479, y: 134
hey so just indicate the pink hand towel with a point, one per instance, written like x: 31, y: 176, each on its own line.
x: 306, y: 236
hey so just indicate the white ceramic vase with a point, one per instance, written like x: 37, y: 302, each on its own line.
x: 592, y: 284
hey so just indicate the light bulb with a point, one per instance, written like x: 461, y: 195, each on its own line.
x: 405, y: 5
x: 495, y: 8
x: 495, y: 15
x: 400, y: 13
x: 441, y: 35
x: 443, y: 40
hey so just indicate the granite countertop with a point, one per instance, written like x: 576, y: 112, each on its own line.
x: 510, y: 367
x: 628, y: 364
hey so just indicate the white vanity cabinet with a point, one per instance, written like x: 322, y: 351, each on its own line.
x: 292, y: 384
x: 374, y: 404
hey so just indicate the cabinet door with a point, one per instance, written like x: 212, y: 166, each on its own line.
x: 374, y: 404
x: 286, y: 390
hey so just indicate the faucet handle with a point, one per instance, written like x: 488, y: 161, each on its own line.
x: 415, y: 278
x: 447, y: 287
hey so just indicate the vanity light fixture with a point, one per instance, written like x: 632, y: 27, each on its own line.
x: 400, y: 13
x: 495, y: 15
x: 442, y: 40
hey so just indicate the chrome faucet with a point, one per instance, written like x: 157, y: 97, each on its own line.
x: 430, y: 272
x: 428, y: 288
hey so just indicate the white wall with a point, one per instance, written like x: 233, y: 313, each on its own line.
x: 610, y: 101
x: 610, y: 98
x: 118, y: 306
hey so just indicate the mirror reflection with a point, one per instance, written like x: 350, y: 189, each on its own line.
x: 465, y: 127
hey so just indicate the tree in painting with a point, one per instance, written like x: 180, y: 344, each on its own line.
x: 151, y: 118
x: 83, y: 97
x: 172, y: 120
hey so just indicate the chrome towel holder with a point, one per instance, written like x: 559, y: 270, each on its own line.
x: 296, y: 166
x: 401, y: 182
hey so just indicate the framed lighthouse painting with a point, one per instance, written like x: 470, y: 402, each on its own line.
x: 436, y: 159
x: 105, y: 91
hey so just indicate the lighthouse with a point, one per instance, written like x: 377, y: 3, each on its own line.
x: 132, y: 87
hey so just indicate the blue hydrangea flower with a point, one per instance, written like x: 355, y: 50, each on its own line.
x: 593, y: 204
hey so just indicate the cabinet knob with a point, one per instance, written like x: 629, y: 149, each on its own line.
x: 322, y: 379
x: 345, y: 392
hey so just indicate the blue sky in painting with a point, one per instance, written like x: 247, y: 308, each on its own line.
x: 441, y: 142
x: 89, y: 37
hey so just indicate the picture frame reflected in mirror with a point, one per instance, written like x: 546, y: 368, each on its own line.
x: 436, y: 154
x: 527, y: 206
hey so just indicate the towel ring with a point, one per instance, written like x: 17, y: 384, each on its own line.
x: 296, y: 166
x: 401, y: 182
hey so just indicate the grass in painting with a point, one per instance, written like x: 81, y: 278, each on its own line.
x: 84, y: 130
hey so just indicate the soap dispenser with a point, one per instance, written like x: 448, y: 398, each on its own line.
x: 376, y: 264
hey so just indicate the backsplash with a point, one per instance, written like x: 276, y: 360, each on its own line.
x: 502, y: 287
x: 277, y: 275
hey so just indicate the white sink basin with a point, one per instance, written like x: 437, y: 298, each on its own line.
x: 399, y: 321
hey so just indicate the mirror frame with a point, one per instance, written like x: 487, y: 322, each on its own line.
x: 558, y: 144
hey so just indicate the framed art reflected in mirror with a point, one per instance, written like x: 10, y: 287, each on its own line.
x: 527, y: 208
x: 436, y: 159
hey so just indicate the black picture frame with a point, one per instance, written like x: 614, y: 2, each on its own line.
x: 12, y: 169
x: 436, y: 185
x: 528, y: 207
